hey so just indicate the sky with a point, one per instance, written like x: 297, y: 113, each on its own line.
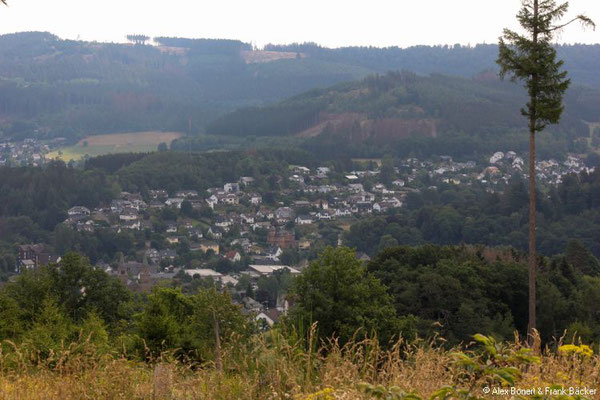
x: 331, y: 23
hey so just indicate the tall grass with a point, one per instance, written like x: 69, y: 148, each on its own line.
x: 273, y: 366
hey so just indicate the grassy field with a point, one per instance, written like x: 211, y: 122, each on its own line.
x: 114, y: 143
x: 367, y: 160
x: 275, y: 368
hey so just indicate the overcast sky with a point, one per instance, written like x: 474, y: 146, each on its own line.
x: 332, y: 23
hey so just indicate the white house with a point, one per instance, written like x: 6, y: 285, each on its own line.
x: 304, y: 220
x: 496, y: 157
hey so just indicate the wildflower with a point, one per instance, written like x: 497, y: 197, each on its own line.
x: 583, y: 350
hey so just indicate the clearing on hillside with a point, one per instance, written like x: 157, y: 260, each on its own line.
x: 97, y: 145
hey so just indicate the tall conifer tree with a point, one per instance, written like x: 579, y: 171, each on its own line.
x: 531, y: 58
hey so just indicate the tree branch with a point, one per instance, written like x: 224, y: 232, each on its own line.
x: 585, y: 21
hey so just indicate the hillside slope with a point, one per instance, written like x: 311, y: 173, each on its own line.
x: 387, y: 109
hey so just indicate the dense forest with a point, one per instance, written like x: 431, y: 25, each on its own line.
x: 62, y: 88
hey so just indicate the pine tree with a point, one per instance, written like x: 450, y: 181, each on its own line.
x: 531, y: 58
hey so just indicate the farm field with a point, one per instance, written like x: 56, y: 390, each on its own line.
x: 136, y: 142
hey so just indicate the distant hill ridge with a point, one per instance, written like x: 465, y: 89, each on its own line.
x: 63, y: 88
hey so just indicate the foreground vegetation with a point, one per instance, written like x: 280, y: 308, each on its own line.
x: 274, y: 367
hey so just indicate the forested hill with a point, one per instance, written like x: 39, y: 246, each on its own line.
x: 61, y: 88
x: 457, y: 60
x: 399, y: 106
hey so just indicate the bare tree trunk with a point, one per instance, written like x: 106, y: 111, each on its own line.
x: 532, y: 256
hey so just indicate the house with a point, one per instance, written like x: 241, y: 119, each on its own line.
x: 156, y: 204
x: 284, y: 214
x: 168, y: 254
x: 117, y: 206
x: 518, y: 163
x: 186, y: 194
x: 230, y: 199
x: 195, y: 232
x: 26, y: 265
x: 304, y: 220
x: 304, y: 244
x: 247, y: 219
x: 35, y: 255
x: 343, y: 212
x: 228, y: 280
x: 322, y: 204
x: 297, y: 178
x: 264, y: 213
x: 233, y: 256
x: 231, y: 187
x: 171, y: 228
x: 128, y: 214
x: 207, y: 245
x: 223, y: 222
x: 246, y: 180
x: 215, y: 232
x: 452, y: 181
x: 496, y: 157
x: 356, y: 187
x: 298, y: 169
x: 131, y: 224
x: 325, y: 215
x: 326, y: 188
x: 135, y: 275
x: 251, y: 305
x: 270, y: 269
x: 203, y: 273
x: 274, y: 253
x: 269, y: 317
x: 255, y: 199
x: 158, y: 194
x: 174, y: 201
x: 78, y: 210
x: 323, y: 172
x: 364, y: 207
x: 282, y: 238
x: 367, y: 197
x: 212, y: 201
